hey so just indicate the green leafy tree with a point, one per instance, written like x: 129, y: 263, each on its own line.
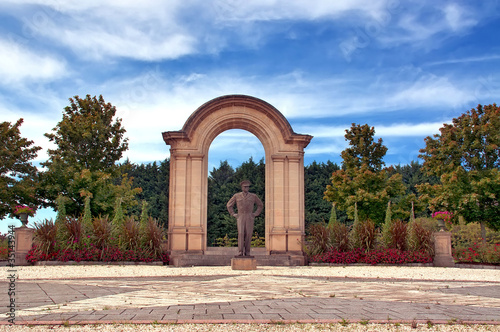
x: 466, y: 158
x: 363, y: 151
x: 18, y: 176
x: 412, y: 175
x: 362, y: 182
x: 89, y: 143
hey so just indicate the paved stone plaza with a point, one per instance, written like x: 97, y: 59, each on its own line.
x: 265, y: 295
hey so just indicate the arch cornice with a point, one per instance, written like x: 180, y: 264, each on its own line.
x: 268, y: 112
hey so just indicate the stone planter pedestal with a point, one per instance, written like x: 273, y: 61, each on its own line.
x: 442, y: 249
x: 24, y: 241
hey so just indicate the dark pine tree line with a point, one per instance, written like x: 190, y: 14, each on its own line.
x: 224, y: 181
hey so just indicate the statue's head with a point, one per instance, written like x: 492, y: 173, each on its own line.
x: 245, y: 185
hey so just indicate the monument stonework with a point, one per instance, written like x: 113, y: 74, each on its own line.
x: 284, y: 174
x: 245, y: 202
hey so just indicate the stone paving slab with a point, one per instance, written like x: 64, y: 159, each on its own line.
x: 252, y: 298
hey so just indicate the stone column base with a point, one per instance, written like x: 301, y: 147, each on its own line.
x: 24, y: 241
x: 243, y: 263
x: 442, y: 250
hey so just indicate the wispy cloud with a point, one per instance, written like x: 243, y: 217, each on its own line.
x: 394, y: 129
x: 484, y: 58
x: 19, y: 64
x: 431, y: 90
x: 458, y: 17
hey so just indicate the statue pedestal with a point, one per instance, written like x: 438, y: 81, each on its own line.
x: 442, y: 250
x: 24, y: 241
x: 244, y: 263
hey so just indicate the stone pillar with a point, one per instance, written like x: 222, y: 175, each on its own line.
x: 24, y: 242
x: 442, y: 250
x: 286, y: 233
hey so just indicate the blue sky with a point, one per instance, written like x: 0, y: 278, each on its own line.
x: 404, y: 67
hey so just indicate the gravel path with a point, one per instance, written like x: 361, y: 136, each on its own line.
x: 371, y: 272
x: 256, y: 327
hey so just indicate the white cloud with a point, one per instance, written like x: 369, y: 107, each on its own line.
x: 420, y: 27
x: 154, y: 30
x: 408, y: 129
x: 18, y: 64
x: 458, y: 18
x: 322, y: 149
x: 395, y: 129
x: 431, y: 90
x: 266, y: 10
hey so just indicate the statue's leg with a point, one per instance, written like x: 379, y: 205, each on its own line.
x: 241, y: 237
x: 248, y: 235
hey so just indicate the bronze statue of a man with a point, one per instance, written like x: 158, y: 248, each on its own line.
x: 245, y: 202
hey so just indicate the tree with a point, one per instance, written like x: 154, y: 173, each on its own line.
x: 18, y: 176
x: 153, y: 179
x: 87, y: 137
x: 466, y: 158
x: 89, y: 143
x: 221, y: 186
x: 363, y: 151
x: 316, y: 178
x: 362, y: 182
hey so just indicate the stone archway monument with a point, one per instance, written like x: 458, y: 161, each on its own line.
x: 284, y: 156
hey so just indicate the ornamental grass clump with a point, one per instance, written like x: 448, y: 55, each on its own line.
x: 364, y: 235
x: 71, y: 231
x: 339, y: 236
x: 318, y: 240
x: 130, y: 233
x: 420, y: 237
x: 363, y: 243
x: 70, y: 239
x: 45, y: 236
x: 152, y: 236
x: 398, y: 233
x: 101, y: 232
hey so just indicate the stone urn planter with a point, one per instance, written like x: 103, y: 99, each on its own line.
x: 22, y: 212
x: 24, y: 219
x: 441, y: 225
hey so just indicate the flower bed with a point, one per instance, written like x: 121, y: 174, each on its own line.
x: 373, y: 257
x: 93, y: 254
x: 478, y: 253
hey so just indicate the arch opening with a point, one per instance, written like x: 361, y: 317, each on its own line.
x: 234, y: 155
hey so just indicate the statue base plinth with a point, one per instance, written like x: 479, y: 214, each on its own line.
x: 244, y: 263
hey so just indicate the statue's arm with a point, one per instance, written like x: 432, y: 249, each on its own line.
x: 260, y: 206
x: 230, y: 205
